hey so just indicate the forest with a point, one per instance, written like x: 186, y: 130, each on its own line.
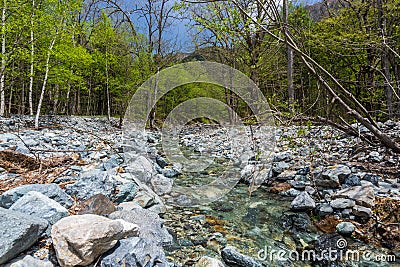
x: 89, y: 57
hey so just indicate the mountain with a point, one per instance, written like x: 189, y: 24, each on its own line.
x: 323, y: 8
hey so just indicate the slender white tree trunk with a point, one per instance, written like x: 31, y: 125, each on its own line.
x: 32, y: 60
x: 108, y: 92
x: 46, y: 75
x: 3, y: 59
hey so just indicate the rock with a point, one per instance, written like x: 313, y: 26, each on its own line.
x: 374, y: 179
x: 130, y: 205
x: 286, y: 175
x: 18, y: 232
x: 144, y: 199
x: 285, y: 156
x: 91, y: 183
x: 98, y: 204
x: 126, y: 192
x: 352, y: 180
x: 362, y: 195
x: 233, y: 258
x: 161, y: 161
x: 303, y: 202
x: 324, y: 209
x: 161, y: 184
x: 29, y: 261
x: 134, y: 251
x: 279, y: 167
x: 209, y: 262
x: 140, y: 167
x: 150, y: 225
x: 342, y: 203
x: 52, y: 191
x: 345, y: 228
x: 172, y: 172
x: 361, y: 211
x: 296, y: 222
x: 80, y: 239
x: 329, y: 242
x: 110, y: 164
x: 333, y: 176
x: 36, y: 204
x: 303, y: 171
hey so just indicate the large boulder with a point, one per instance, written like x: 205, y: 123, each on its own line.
x: 161, y: 184
x: 150, y: 224
x: 303, y: 202
x: 92, y: 183
x: 37, y: 204
x: 233, y: 258
x: 333, y: 176
x: 80, y: 239
x: 362, y: 195
x: 18, y: 232
x: 52, y: 191
x: 29, y: 261
x: 140, y: 167
x: 134, y: 251
x: 209, y: 262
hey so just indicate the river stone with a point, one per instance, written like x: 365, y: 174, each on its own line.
x: 150, y: 224
x: 333, y: 176
x: 362, y: 195
x: 161, y: 184
x: 161, y: 161
x: 36, y: 204
x: 374, y: 179
x: 126, y: 192
x: 91, y: 183
x: 303, y: 202
x: 209, y: 262
x: 52, y: 191
x: 233, y: 258
x: 80, y: 239
x: 134, y: 251
x: 345, y: 228
x: 352, y: 180
x: 324, y: 209
x: 361, y: 211
x: 342, y: 203
x: 18, y: 232
x: 98, y: 204
x: 29, y: 261
x: 140, y: 167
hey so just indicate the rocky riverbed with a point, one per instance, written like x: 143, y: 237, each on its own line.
x: 72, y: 194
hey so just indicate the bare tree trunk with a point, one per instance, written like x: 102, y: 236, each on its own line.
x: 10, y: 101
x: 289, y: 57
x: 108, y: 92
x: 3, y: 59
x: 46, y: 75
x: 385, y: 62
x: 32, y: 61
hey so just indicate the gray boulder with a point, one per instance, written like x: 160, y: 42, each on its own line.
x: 52, y: 191
x: 345, y: 228
x: 80, y: 239
x: 92, y: 183
x: 150, y: 224
x: 303, y: 202
x: 18, y: 232
x: 29, y: 261
x: 126, y: 192
x: 39, y: 205
x: 134, y: 251
x: 333, y: 176
x: 342, y: 203
x: 233, y: 258
x: 161, y: 185
x: 209, y: 262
